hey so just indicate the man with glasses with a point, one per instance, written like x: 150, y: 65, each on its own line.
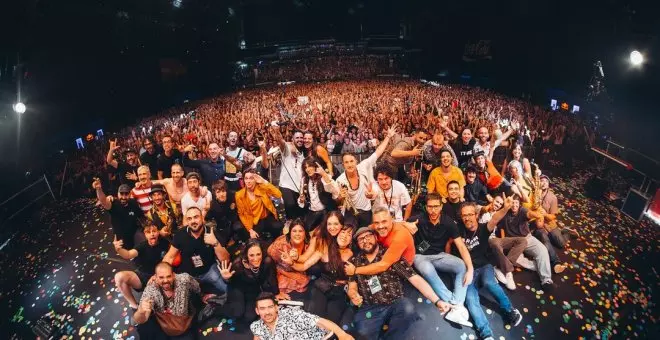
x: 435, y: 230
x: 379, y: 297
x: 476, y: 237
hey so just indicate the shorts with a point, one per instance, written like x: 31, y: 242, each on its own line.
x: 144, y: 279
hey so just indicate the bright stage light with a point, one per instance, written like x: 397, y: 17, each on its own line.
x: 636, y: 58
x: 19, y: 108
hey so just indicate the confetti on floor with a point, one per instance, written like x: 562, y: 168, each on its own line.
x: 62, y: 274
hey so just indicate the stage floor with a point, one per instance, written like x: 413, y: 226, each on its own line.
x: 56, y: 270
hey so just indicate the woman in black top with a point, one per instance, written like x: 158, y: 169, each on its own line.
x: 248, y: 275
x: 332, y: 279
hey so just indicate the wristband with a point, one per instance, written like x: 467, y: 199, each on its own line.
x: 436, y: 302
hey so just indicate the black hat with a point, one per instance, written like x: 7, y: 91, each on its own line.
x: 130, y: 150
x: 193, y: 175
x: 362, y: 231
x: 157, y: 188
x: 471, y: 168
x: 546, y: 177
x: 479, y: 153
x: 124, y: 189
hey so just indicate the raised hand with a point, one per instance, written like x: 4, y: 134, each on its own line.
x: 319, y: 170
x: 293, y: 254
x: 225, y: 270
x: 258, y: 179
x: 508, y: 203
x: 114, y: 145
x: 146, y: 305
x: 370, y: 193
x: 209, y: 237
x: 391, y: 131
x: 96, y: 184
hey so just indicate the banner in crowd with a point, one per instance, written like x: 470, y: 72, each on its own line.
x: 477, y: 50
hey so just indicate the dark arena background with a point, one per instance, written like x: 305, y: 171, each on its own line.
x: 574, y: 84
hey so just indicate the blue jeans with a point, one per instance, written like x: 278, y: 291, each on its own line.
x: 213, y: 280
x: 429, y: 266
x: 485, y: 277
x: 399, y: 316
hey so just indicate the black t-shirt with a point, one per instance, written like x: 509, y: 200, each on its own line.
x: 515, y: 225
x: 431, y: 239
x: 122, y: 169
x: 223, y: 213
x: 125, y: 220
x: 464, y: 152
x: 165, y: 162
x: 148, y: 257
x: 152, y: 161
x: 452, y: 210
x: 477, y: 243
x: 196, y: 256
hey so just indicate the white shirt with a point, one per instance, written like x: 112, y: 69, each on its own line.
x: 291, y: 172
x: 188, y: 202
x: 393, y: 199
x: 365, y: 170
x: 315, y: 203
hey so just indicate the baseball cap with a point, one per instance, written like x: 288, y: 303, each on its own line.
x: 124, y: 189
x: 130, y: 150
x: 546, y: 177
x: 362, y: 231
x: 193, y: 175
x: 157, y: 188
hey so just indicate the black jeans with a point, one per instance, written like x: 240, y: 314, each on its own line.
x: 290, y: 199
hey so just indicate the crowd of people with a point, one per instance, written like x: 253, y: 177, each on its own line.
x: 320, y: 68
x: 450, y: 186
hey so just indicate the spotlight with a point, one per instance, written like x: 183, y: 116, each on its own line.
x: 636, y: 58
x: 19, y: 108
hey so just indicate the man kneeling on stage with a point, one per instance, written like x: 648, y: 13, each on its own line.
x: 166, y: 308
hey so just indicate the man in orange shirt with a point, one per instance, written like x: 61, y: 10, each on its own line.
x: 256, y: 210
x: 396, y: 237
x: 445, y: 173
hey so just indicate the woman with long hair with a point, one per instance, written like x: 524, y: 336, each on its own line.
x: 332, y: 255
x: 285, y: 250
x: 516, y: 154
x: 251, y: 273
x: 318, y: 192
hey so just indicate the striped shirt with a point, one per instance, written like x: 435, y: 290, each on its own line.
x: 142, y: 197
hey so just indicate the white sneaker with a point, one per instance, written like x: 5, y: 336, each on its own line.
x: 500, y: 276
x: 459, y: 315
x: 510, y: 284
x: 526, y: 263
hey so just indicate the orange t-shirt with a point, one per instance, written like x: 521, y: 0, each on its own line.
x: 399, y: 243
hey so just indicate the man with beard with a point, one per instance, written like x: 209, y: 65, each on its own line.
x: 124, y: 212
x: 433, y: 152
x: 404, y: 151
x: 168, y: 158
x: 475, y: 190
x: 195, y: 197
x: 318, y: 151
x: 290, y: 323
x: 291, y: 171
x: 165, y: 216
x: 126, y: 171
x: 150, y: 156
x: 166, y: 307
x: 435, y: 230
x: 256, y: 210
x: 146, y: 256
x: 175, y: 186
x: 514, y: 220
x: 476, y: 237
x: 355, y: 179
x: 212, y: 168
x: 379, y: 297
x: 390, y: 193
x: 141, y: 191
x: 234, y: 155
x: 199, y: 249
x: 549, y: 203
x: 445, y: 173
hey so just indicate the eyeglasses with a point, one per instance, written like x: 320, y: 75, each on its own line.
x: 362, y: 239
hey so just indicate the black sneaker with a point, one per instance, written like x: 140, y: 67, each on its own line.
x: 514, y: 317
x: 548, y: 287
